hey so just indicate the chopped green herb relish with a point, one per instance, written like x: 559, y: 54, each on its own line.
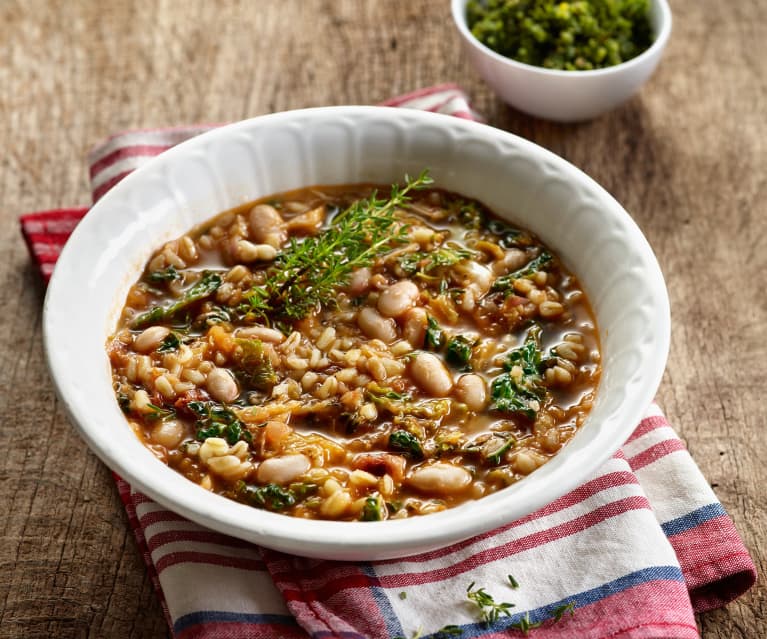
x: 571, y: 36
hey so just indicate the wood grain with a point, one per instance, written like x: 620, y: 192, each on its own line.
x: 686, y: 157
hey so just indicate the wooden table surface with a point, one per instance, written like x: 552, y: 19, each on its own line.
x: 687, y: 157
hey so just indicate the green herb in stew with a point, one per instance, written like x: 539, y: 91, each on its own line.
x: 203, y: 288
x: 506, y: 282
x: 404, y: 442
x: 520, y: 389
x: 269, y: 497
x: 215, y: 420
x: 434, y: 338
x: 458, y: 352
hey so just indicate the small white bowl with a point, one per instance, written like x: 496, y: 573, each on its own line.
x: 238, y: 163
x: 565, y: 96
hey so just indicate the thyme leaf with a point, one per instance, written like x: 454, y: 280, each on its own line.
x: 525, y: 625
x: 560, y: 611
x: 159, y: 412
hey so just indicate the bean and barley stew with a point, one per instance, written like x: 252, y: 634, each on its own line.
x: 356, y: 353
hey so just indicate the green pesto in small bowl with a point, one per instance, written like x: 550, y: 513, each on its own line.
x: 570, y: 36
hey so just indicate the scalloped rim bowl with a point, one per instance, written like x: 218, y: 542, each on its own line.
x: 564, y: 96
x: 234, y: 164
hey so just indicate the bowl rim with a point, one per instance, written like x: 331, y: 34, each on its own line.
x: 334, y: 539
x: 458, y: 11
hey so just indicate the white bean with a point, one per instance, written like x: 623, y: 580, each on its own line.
x: 398, y: 298
x: 440, y: 478
x: 526, y: 461
x: 430, y: 373
x: 168, y: 433
x: 375, y: 326
x: 222, y: 386
x: 360, y: 281
x: 263, y: 333
x: 480, y: 275
x: 420, y: 234
x: 513, y: 259
x: 414, y: 329
x: 151, y: 338
x: 267, y: 225
x: 470, y: 389
x: 283, y: 469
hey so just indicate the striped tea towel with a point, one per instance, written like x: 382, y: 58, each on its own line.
x: 632, y: 553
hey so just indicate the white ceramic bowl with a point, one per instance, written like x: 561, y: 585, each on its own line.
x: 565, y: 96
x: 216, y: 171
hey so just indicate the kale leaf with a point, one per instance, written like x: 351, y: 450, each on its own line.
x: 204, y: 287
x: 520, y: 394
x: 458, y: 352
x: 215, y: 420
x: 402, y: 441
x: 506, y: 282
x: 434, y: 339
x: 253, y: 366
x: 374, y: 508
x: 268, y: 497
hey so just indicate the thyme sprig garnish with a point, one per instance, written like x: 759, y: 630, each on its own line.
x: 490, y: 610
x: 308, y: 272
x: 525, y: 625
